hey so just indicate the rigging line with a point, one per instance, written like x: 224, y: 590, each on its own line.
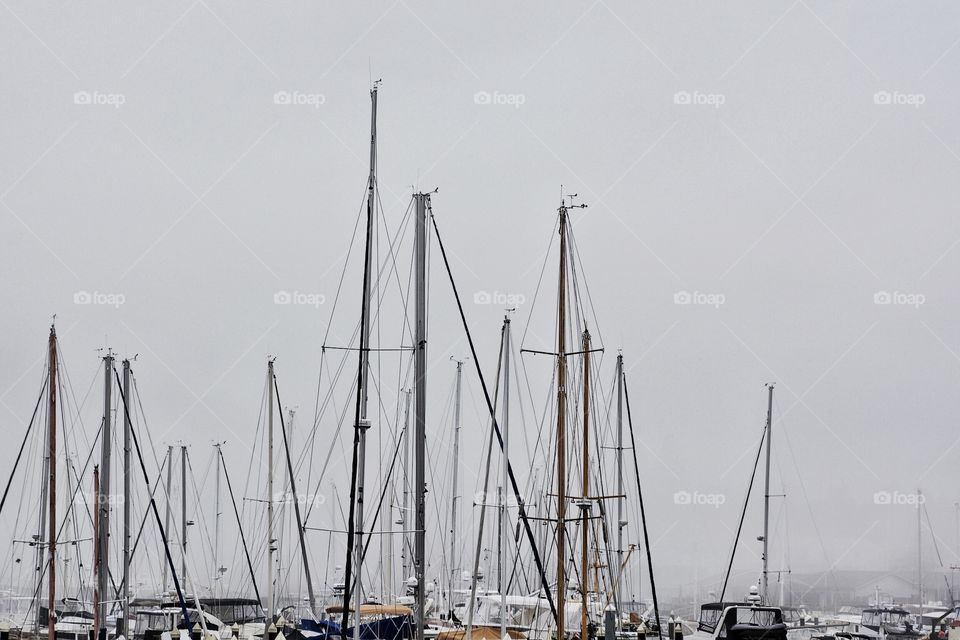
x: 936, y: 548
x: 296, y: 500
x: 153, y: 504
x: 203, y: 521
x: 346, y: 261
x: 330, y: 451
x: 143, y: 523
x: 26, y: 435
x: 803, y: 489
x: 486, y: 393
x: 361, y: 391
x: 743, y: 512
x: 536, y: 293
x: 643, y: 514
x: 576, y: 254
x: 383, y: 493
x: 236, y: 513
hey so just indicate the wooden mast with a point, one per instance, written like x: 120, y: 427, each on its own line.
x: 585, y: 504
x: 561, y: 427
x: 52, y: 493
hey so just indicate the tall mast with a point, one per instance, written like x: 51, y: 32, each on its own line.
x: 420, y: 387
x: 355, y: 519
x: 52, y: 485
x: 505, y: 472
x: 270, y: 545
x: 103, y: 503
x: 453, y: 500
x: 216, y: 531
x: 126, y: 500
x: 166, y: 517
x: 97, y: 568
x: 183, y: 514
x: 364, y: 424
x: 561, y: 428
x: 585, y: 500
x: 920, y: 558
x: 766, y: 499
x: 405, y: 506
x: 620, y: 495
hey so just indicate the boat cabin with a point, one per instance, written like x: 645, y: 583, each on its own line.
x: 739, y: 621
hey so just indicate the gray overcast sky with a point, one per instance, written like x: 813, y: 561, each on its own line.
x: 797, y: 159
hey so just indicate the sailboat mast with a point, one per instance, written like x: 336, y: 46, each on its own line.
x: 766, y: 500
x: 217, y: 516
x: 103, y: 502
x: 420, y: 387
x: 183, y: 514
x: 125, y: 596
x: 361, y: 423
x: 270, y: 546
x: 920, y: 558
x: 52, y: 485
x: 97, y: 569
x: 166, y: 517
x: 620, y: 495
x: 501, y: 493
x: 453, y: 500
x: 405, y: 507
x: 561, y: 428
x: 364, y: 425
x: 585, y: 504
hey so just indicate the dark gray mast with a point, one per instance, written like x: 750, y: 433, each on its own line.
x: 420, y: 390
x: 125, y: 596
x: 766, y: 499
x: 103, y: 503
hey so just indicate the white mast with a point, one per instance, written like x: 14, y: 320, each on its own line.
x: 270, y: 545
x: 621, y: 523
x: 505, y: 464
x: 766, y: 500
x: 455, y: 472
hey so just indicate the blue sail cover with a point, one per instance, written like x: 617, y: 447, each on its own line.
x: 396, y: 628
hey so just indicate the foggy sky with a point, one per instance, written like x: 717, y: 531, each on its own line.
x: 791, y: 191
